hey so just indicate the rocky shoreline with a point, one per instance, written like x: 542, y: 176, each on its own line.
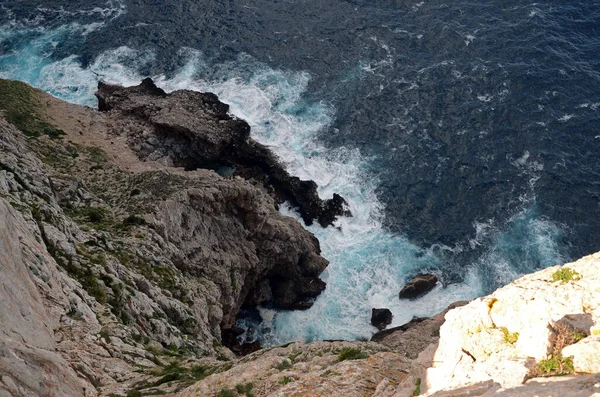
x: 157, y: 252
x: 133, y: 236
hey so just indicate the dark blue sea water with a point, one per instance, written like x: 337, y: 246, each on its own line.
x: 465, y: 135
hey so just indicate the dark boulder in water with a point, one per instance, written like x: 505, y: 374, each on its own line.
x: 296, y: 294
x: 194, y: 130
x: 418, y: 286
x: 381, y: 318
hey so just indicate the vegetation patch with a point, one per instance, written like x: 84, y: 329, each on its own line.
x: 284, y: 364
x: 174, y: 372
x: 555, y: 366
x: 565, y: 275
x: 163, y: 276
x: 351, y: 353
x: 97, y: 217
x: 417, y: 390
x: 285, y: 380
x: 294, y: 356
x: 245, y: 389
x: 226, y: 393
x: 509, y: 337
x: 20, y: 106
x: 565, y: 335
x: 96, y: 155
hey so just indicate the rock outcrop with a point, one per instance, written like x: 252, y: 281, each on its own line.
x: 415, y: 336
x: 123, y: 272
x: 353, y: 369
x: 381, y: 318
x: 29, y: 362
x: 418, y: 286
x: 136, y: 262
x: 522, y: 330
x: 193, y: 130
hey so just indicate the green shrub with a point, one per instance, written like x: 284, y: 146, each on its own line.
x: 226, y: 393
x: 97, y: 155
x: 245, y: 389
x: 565, y: 275
x: 555, y: 366
x: 283, y: 365
x: 21, y: 107
x: 200, y: 372
x: 417, y: 390
x: 133, y: 220
x: 285, y: 380
x: 351, y: 353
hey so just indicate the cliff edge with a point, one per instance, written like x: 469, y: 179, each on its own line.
x: 131, y: 237
x: 135, y: 257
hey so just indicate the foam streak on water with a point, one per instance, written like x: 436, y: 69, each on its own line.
x: 368, y: 265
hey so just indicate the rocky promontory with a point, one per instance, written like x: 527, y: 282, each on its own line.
x: 130, y: 247
x: 131, y: 237
x: 194, y: 130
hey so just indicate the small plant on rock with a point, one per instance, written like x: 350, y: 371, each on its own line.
x: 284, y: 364
x: 555, y: 366
x: 351, y: 353
x: 285, y: 380
x: 417, y: 390
x: 509, y: 337
x: 245, y: 389
x: 226, y: 393
x: 565, y: 275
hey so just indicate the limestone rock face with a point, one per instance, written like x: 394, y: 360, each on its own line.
x: 229, y: 232
x: 136, y: 263
x: 586, y: 354
x: 501, y: 337
x: 563, y: 386
x: 316, y: 370
x: 29, y: 363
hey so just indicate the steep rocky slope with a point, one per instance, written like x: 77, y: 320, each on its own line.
x: 125, y: 263
x: 136, y: 260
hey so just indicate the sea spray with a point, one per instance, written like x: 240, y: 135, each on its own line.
x: 368, y: 265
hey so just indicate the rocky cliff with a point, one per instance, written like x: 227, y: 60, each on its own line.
x: 132, y: 236
x: 119, y: 256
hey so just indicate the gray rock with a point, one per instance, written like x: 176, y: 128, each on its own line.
x: 29, y: 363
x: 194, y: 130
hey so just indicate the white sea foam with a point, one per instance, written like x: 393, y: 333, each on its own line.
x: 368, y: 265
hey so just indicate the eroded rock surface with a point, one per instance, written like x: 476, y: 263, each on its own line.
x: 193, y: 130
x: 502, y: 337
x: 320, y: 369
x: 153, y: 262
x: 29, y: 363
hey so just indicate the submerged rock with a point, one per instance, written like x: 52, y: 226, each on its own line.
x: 418, y: 286
x: 381, y: 318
